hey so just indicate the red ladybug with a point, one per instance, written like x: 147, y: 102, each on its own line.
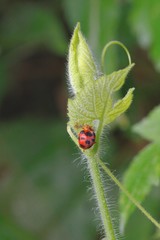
x: 86, y: 137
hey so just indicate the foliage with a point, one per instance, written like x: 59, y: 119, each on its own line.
x: 93, y: 100
x: 37, y: 154
x: 149, y: 127
x: 92, y: 104
x: 144, y: 171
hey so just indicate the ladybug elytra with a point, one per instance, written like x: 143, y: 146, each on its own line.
x: 86, y: 137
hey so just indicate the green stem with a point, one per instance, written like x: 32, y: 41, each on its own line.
x: 125, y: 191
x: 98, y: 188
x: 107, y: 46
x: 100, y: 195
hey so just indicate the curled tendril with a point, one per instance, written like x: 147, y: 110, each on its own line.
x: 106, y: 48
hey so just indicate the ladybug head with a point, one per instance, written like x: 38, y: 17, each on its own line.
x: 87, y: 128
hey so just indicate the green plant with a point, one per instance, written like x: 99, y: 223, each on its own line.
x: 144, y: 171
x: 92, y: 103
x: 32, y: 151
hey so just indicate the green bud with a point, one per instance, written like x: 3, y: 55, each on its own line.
x: 81, y: 66
x: 93, y: 101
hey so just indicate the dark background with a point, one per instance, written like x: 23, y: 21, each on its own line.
x: 43, y: 188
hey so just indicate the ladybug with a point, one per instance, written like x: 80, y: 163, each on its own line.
x: 86, y: 138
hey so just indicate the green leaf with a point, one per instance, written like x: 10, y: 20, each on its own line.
x: 93, y: 103
x: 81, y: 66
x: 117, y: 79
x: 121, y: 106
x: 88, y: 105
x: 143, y: 172
x: 149, y: 127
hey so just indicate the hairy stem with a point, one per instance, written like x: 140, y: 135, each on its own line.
x: 99, y: 190
x: 125, y: 191
x: 100, y: 195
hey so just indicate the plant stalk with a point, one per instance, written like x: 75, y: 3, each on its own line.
x: 125, y: 191
x: 99, y: 190
x: 100, y: 195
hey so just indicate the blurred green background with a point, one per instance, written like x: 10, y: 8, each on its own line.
x: 43, y: 187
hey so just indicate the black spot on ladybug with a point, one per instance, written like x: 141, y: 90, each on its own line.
x: 93, y: 139
x: 87, y: 142
x: 89, y: 134
x: 82, y: 132
x: 82, y: 138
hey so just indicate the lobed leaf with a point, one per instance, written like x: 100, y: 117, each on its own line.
x: 92, y: 103
x: 149, y: 127
x: 117, y: 79
x: 81, y: 66
x: 143, y: 172
x: 95, y: 103
x: 120, y: 106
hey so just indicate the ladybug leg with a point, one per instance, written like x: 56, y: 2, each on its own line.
x: 69, y: 130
